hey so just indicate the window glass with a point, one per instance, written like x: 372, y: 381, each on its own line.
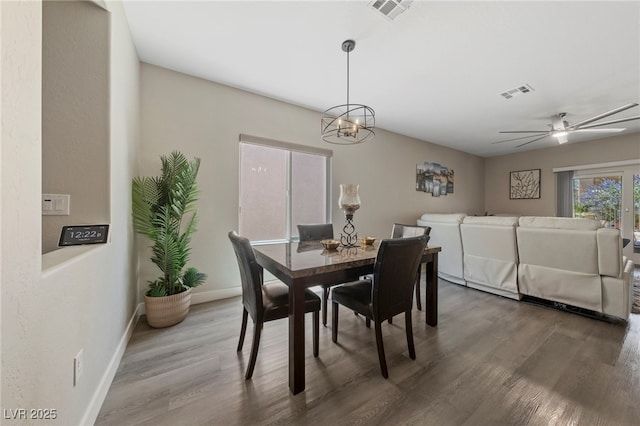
x: 308, y: 190
x: 279, y: 189
x: 598, y: 198
x: 263, y: 192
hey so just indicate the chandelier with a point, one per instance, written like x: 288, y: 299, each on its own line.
x: 348, y: 124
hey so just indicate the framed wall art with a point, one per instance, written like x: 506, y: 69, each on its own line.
x: 524, y: 184
x: 434, y: 179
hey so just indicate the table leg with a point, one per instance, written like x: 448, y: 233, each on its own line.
x: 431, y: 308
x: 296, y: 338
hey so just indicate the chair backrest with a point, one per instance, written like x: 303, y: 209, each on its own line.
x: 404, y: 231
x: 394, y: 275
x: 323, y: 231
x: 250, y: 274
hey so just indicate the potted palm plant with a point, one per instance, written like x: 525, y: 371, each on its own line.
x: 164, y: 212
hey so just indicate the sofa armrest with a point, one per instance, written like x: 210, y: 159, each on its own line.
x: 610, y: 252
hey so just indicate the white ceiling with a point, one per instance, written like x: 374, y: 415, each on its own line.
x: 434, y: 73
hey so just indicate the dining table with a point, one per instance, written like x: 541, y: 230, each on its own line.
x: 307, y: 264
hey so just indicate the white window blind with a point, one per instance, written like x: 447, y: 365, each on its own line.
x: 281, y: 185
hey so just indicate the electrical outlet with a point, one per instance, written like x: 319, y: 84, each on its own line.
x: 78, y: 366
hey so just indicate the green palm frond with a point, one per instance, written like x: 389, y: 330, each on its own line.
x: 193, y: 278
x: 160, y: 204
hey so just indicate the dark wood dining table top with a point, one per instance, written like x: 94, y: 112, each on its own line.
x: 306, y: 259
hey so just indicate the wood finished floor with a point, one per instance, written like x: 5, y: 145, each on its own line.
x: 490, y: 361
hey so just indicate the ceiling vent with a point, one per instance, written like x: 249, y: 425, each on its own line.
x: 525, y: 88
x: 390, y: 8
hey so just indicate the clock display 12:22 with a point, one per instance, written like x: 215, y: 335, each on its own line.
x: 83, y: 234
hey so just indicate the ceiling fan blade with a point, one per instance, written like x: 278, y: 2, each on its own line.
x: 606, y: 123
x: 606, y: 114
x: 532, y: 141
x: 598, y: 130
x: 524, y: 131
x: 516, y: 139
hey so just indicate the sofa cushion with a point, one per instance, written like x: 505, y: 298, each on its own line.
x: 492, y: 220
x: 558, y: 223
x: 443, y: 217
x: 571, y: 250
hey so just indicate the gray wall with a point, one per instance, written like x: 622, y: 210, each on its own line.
x: 82, y: 299
x: 617, y: 148
x: 75, y: 113
x: 203, y: 119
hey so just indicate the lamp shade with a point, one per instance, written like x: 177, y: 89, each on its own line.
x: 349, y: 200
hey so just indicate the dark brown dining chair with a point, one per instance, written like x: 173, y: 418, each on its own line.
x: 265, y: 302
x: 404, y: 231
x: 319, y: 232
x: 389, y: 293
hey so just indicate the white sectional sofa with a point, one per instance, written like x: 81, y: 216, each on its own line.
x: 490, y: 254
x: 572, y: 262
x: 448, y: 237
x: 576, y: 262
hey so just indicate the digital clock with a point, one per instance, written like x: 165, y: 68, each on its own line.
x: 83, y: 234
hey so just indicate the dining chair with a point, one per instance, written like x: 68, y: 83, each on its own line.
x: 323, y: 231
x: 265, y: 302
x: 400, y: 230
x: 389, y: 293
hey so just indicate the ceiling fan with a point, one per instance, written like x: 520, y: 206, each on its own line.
x: 560, y: 128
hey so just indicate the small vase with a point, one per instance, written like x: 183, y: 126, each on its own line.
x: 167, y: 310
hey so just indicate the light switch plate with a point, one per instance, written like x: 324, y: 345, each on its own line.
x: 56, y: 204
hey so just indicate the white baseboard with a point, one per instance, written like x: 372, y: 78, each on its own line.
x: 92, y: 411
x: 205, y: 296
x: 208, y: 296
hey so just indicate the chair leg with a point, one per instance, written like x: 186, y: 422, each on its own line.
x: 257, y: 329
x: 409, y: 328
x: 334, y: 322
x: 316, y: 332
x: 243, y: 328
x: 325, y: 302
x: 381, y: 357
x: 418, y: 300
x: 367, y: 322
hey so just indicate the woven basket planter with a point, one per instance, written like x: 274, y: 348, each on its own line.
x: 168, y: 310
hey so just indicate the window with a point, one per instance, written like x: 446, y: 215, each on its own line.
x: 598, y: 197
x: 608, y: 192
x: 281, y: 185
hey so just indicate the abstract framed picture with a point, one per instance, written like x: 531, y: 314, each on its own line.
x: 524, y: 184
x: 434, y: 179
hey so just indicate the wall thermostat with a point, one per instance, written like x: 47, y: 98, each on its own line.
x: 75, y: 235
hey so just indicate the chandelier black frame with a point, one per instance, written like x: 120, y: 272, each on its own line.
x: 349, y: 123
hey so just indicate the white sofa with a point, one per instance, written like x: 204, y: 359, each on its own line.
x: 445, y: 233
x: 568, y: 261
x: 490, y: 254
x: 575, y: 262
